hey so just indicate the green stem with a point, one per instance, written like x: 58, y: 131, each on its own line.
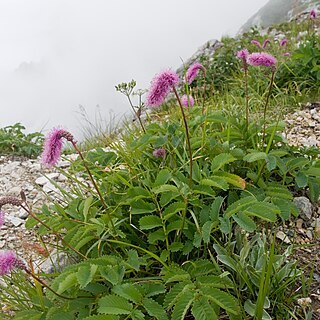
x: 265, y: 107
x: 246, y: 94
x: 187, y: 133
x: 136, y: 114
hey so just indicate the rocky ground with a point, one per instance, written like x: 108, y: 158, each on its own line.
x: 16, y: 174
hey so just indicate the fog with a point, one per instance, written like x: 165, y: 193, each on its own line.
x: 57, y: 55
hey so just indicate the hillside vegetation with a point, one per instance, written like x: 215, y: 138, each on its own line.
x: 179, y: 218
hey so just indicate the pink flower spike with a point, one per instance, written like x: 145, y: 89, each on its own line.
x: 265, y: 43
x: 161, y: 85
x: 287, y: 54
x: 8, y: 261
x: 2, y: 216
x: 256, y: 43
x: 283, y: 42
x: 313, y: 14
x: 53, y: 145
x: 243, y: 54
x: 193, y: 71
x: 258, y: 59
x: 159, y: 153
x: 187, y: 103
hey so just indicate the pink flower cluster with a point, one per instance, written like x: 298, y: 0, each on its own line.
x: 160, y: 87
x: 257, y: 59
x: 159, y: 153
x: 193, y: 71
x: 8, y: 262
x: 165, y: 81
x: 53, y: 146
x: 313, y: 14
x: 187, y: 102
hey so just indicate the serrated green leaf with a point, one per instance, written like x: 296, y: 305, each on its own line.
x: 223, y: 299
x: 154, y: 309
x: 232, y: 179
x: 83, y: 241
x: 128, y: 291
x: 150, y: 222
x: 162, y: 178
x: 225, y: 225
x: 136, y: 314
x: 301, y: 180
x: 86, y: 207
x: 240, y: 205
x: 155, y: 236
x: 85, y: 274
x: 102, y: 317
x: 182, y: 305
x: 197, y: 239
x: 113, y: 274
x: 133, y: 259
x: 141, y: 206
x: 202, y: 310
x: 167, y: 197
x: 255, y: 156
x: 245, y: 222
x: 175, y: 273
x: 112, y: 304
x: 172, y: 209
x: 165, y: 188
x: 206, y: 230
x: 29, y: 315
x: 215, y: 281
x: 215, y: 182
x: 55, y: 313
x: 278, y: 191
x: 175, y: 246
x: 68, y: 282
x: 271, y: 162
x: 153, y: 289
x: 215, y: 208
x: 220, y: 160
x: 263, y: 210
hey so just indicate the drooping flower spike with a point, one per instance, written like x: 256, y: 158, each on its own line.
x: 256, y: 43
x: 313, y: 14
x: 10, y: 200
x: 9, y: 261
x: 258, y: 59
x: 187, y: 102
x: 283, y: 42
x: 265, y: 43
x: 53, y: 146
x: 193, y: 71
x: 161, y: 85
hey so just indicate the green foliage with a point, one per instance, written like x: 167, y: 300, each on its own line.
x: 14, y: 141
x: 160, y: 242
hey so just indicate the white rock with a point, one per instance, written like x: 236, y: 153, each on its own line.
x: 283, y: 237
x: 49, y: 188
x: 23, y: 214
x: 17, y: 222
x: 41, y: 181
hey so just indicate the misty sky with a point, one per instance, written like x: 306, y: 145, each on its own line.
x: 58, y: 54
